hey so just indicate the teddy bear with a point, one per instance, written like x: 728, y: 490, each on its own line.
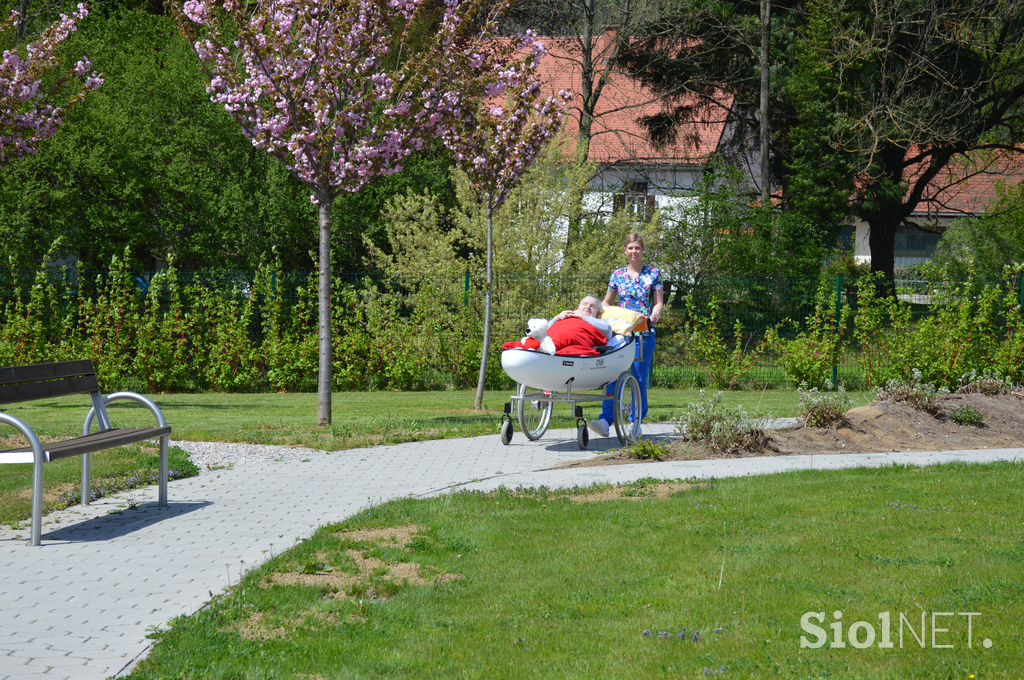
x: 537, y: 336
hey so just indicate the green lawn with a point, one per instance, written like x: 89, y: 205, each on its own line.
x: 549, y: 587
x: 359, y: 418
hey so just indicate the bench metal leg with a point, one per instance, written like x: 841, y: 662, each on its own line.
x: 87, y: 475
x: 37, y: 501
x: 86, y: 479
x: 100, y: 408
x: 163, y: 471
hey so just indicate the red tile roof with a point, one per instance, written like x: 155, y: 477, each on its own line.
x: 617, y: 136
x: 967, y: 185
x: 964, y: 187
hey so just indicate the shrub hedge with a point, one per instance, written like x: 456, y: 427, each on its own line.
x: 243, y: 333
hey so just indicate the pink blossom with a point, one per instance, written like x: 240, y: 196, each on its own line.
x: 499, y: 144
x: 26, y: 116
x: 313, y: 82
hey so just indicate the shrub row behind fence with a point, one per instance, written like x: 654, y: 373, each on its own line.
x: 201, y: 335
x: 180, y: 331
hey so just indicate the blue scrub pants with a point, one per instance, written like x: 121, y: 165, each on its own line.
x: 640, y: 370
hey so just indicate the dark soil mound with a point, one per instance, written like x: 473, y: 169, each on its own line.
x: 880, y: 427
x: 884, y: 427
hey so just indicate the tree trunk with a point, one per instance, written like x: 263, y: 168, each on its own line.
x: 766, y: 176
x: 885, y: 210
x: 22, y: 20
x: 478, y: 403
x: 589, y: 92
x: 324, y: 381
x: 882, y: 242
x: 575, y: 227
x: 883, y: 220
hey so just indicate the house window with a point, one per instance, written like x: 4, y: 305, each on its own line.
x: 635, y: 199
x: 847, y: 238
x: 912, y: 246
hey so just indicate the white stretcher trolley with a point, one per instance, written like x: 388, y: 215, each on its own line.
x: 545, y: 379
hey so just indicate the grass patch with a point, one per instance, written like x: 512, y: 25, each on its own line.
x: 712, y: 579
x: 120, y: 469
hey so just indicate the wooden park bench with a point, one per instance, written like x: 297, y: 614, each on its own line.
x: 45, y: 381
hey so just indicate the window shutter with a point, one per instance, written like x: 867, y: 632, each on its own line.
x: 650, y: 208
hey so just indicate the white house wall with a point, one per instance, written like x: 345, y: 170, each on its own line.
x: 661, y: 181
x: 670, y: 185
x: 862, y: 250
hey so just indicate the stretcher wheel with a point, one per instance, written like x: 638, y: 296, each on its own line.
x: 534, y: 415
x: 506, y: 432
x: 626, y: 406
x: 582, y: 436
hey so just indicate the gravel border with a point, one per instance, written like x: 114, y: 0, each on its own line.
x: 208, y: 455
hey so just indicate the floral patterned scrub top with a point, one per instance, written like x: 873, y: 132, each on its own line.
x: 636, y: 295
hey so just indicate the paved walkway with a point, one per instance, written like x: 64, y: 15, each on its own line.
x: 79, y: 606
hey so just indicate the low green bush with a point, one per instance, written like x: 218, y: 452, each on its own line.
x: 724, y: 364
x: 991, y: 383
x: 253, y: 333
x: 647, y: 449
x: 809, y: 357
x: 965, y: 414
x: 725, y: 431
x: 239, y: 335
x: 918, y: 394
x: 822, y: 408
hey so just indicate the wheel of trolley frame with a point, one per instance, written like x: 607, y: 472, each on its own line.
x: 534, y: 415
x: 582, y: 436
x: 626, y: 403
x: 506, y: 432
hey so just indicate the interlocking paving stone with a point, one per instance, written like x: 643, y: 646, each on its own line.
x: 81, y: 648
x: 38, y: 652
x: 87, y: 673
x: 139, y: 568
x: 65, y: 662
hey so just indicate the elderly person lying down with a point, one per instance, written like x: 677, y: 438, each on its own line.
x: 588, y: 309
x: 576, y: 332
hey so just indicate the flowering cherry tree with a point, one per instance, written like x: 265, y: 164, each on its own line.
x: 27, y: 114
x: 502, y: 141
x: 343, y: 90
